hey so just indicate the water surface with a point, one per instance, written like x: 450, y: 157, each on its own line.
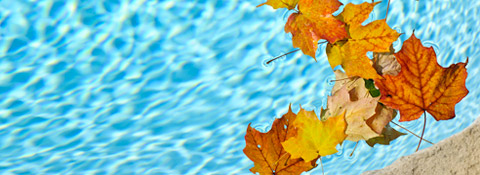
x: 169, y: 86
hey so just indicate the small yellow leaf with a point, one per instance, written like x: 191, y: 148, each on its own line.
x: 289, y: 4
x: 352, y: 55
x: 355, y: 14
x: 314, y: 137
x: 354, y: 62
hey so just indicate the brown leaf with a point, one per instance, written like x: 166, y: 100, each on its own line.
x: 383, y: 116
x: 387, y: 136
x: 365, y: 117
x: 386, y: 64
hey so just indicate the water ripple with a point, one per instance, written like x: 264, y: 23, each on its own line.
x: 169, y: 87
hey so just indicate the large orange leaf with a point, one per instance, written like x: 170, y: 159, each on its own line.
x: 376, y: 36
x: 313, y: 22
x: 422, y: 84
x: 289, y: 4
x: 315, y: 138
x: 267, y: 153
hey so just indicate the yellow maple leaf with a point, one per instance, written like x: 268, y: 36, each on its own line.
x: 351, y: 54
x: 314, y: 137
x: 289, y: 4
x: 356, y: 13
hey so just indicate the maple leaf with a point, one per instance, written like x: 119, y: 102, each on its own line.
x: 387, y: 136
x: 315, y: 138
x: 355, y: 14
x: 267, y: 153
x: 365, y: 117
x: 422, y: 84
x: 376, y: 36
x: 289, y: 4
x: 313, y: 22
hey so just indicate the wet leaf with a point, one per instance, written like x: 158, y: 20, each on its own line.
x: 289, y: 4
x: 267, y: 153
x: 315, y: 137
x: 351, y: 54
x: 389, y: 134
x: 356, y: 14
x: 386, y: 64
x: 313, y: 22
x: 364, y: 115
x: 422, y: 84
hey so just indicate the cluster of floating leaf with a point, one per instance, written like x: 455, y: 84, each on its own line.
x: 410, y: 81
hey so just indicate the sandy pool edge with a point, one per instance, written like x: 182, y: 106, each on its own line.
x: 458, y: 154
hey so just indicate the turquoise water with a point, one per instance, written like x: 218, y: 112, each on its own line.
x: 169, y: 86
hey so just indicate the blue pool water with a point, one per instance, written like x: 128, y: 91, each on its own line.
x: 169, y: 86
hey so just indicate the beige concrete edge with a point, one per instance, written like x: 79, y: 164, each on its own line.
x: 458, y: 154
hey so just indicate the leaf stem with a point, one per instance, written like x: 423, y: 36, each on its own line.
x: 412, y: 133
x: 388, y: 6
x: 277, y: 57
x: 423, y: 131
x: 289, y: 156
x: 354, y: 148
x: 321, y: 164
x: 340, y: 79
x: 293, y: 51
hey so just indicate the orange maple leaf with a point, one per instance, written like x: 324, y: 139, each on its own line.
x: 267, y: 153
x: 422, y: 84
x: 376, y: 36
x: 313, y: 22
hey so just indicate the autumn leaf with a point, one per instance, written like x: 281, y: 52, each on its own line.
x: 289, y: 4
x: 342, y: 80
x: 365, y: 117
x: 315, y: 137
x: 267, y: 153
x: 355, y: 14
x: 386, y: 64
x: 422, y: 84
x: 389, y: 134
x: 313, y: 22
x: 383, y: 116
x: 356, y: 113
x: 376, y: 36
